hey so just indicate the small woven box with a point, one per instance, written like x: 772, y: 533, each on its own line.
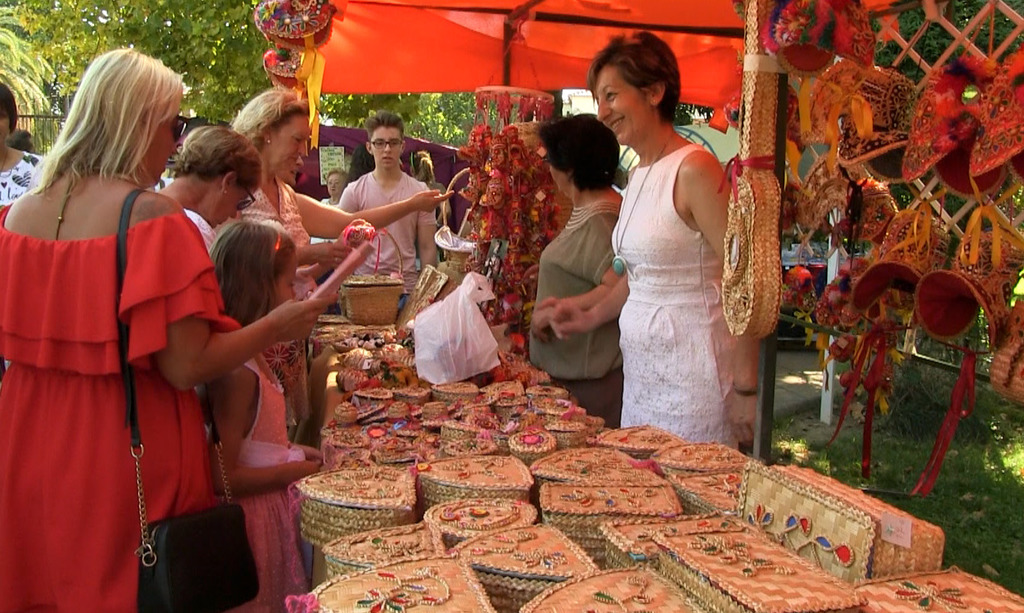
x: 950, y: 591
x: 452, y: 430
x: 717, y: 492
x: 464, y: 447
x: 358, y: 552
x: 578, y: 510
x: 412, y: 395
x: 637, y: 441
x: 454, y: 392
x: 613, y: 590
x: 463, y: 519
x: 532, y: 445
x: 474, y: 477
x: 516, y: 565
x: 440, y: 585
x: 847, y: 532
x: 353, y: 500
x: 508, y: 407
x: 692, y: 458
x: 375, y: 397
x: 630, y: 542
x: 743, y: 572
x: 593, y: 465
x: 569, y: 434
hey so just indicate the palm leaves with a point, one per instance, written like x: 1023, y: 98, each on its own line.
x: 22, y: 69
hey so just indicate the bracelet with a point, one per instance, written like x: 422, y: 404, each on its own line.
x: 744, y: 392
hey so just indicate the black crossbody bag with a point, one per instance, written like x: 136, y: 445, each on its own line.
x: 195, y: 563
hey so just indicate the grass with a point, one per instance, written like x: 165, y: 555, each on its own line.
x: 978, y: 499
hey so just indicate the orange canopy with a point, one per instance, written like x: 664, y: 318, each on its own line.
x: 395, y: 46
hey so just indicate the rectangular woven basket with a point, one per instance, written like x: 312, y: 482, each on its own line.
x: 717, y: 492
x: 949, y: 591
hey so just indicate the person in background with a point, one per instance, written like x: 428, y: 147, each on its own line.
x: 386, y: 184
x: 423, y: 171
x: 16, y: 165
x: 336, y: 180
x: 683, y: 370
x: 215, y: 174
x: 64, y: 391
x: 361, y: 163
x: 21, y: 140
x: 255, y: 266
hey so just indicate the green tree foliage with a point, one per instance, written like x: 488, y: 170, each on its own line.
x: 21, y: 69
x: 444, y: 118
x: 351, y: 110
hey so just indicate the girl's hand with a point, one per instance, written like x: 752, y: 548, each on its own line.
x: 299, y: 470
x: 740, y: 412
x: 312, y: 454
x: 294, y: 320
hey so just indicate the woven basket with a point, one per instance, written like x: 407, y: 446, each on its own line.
x: 474, y: 477
x: 613, y: 590
x: 715, y: 492
x: 461, y: 448
x: 631, y: 542
x: 695, y: 458
x: 951, y: 590
x: 569, y: 434
x: 461, y: 519
x: 532, y: 446
x: 591, y: 465
x: 454, y: 392
x: 452, y: 430
x: 372, y: 300
x: 358, y: 552
x: 638, y: 441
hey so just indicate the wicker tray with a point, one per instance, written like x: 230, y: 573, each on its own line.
x: 516, y: 565
x: 474, y: 477
x: 578, y: 510
x: 631, y: 542
x: 613, y: 591
x: 436, y: 584
x: 593, y: 465
x: 364, y: 550
x: 717, y: 492
x: 742, y: 572
x: 638, y: 441
x: 462, y: 519
x: 950, y: 591
x: 343, y: 502
x: 692, y: 458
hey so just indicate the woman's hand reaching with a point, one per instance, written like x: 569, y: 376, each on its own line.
x: 428, y: 200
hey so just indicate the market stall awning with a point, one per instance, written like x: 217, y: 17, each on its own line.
x: 394, y: 46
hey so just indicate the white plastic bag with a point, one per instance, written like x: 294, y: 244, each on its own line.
x: 453, y: 340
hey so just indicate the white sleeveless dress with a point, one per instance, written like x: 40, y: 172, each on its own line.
x: 677, y: 351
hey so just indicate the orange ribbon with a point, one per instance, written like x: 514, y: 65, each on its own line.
x: 999, y: 223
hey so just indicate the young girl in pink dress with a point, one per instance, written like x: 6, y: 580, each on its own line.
x: 255, y: 265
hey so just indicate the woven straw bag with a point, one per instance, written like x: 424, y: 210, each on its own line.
x: 372, y: 300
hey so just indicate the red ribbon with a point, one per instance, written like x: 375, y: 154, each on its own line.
x: 734, y: 170
x: 963, y: 390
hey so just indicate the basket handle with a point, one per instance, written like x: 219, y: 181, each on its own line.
x: 451, y: 187
x: 398, y: 250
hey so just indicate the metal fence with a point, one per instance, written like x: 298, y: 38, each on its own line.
x: 43, y: 128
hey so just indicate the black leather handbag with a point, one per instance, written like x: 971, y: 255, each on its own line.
x: 195, y: 563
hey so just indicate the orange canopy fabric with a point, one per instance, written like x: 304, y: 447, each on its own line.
x: 395, y: 46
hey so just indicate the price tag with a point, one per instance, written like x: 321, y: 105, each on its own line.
x: 367, y: 364
x: 896, y: 529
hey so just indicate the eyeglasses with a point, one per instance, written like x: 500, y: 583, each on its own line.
x: 245, y: 202
x: 180, y: 123
x: 394, y: 143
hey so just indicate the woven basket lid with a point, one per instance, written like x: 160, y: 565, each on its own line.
x: 385, y: 546
x: 533, y: 552
x: 636, y: 538
x: 699, y: 457
x: 372, y: 281
x: 465, y: 389
x: 952, y: 590
x: 720, y: 490
x: 468, y: 518
x: 432, y: 583
x: 616, y: 499
x: 372, y: 487
x: 532, y: 441
x: 547, y: 391
x: 465, y: 447
x: 479, y: 473
x: 586, y: 464
x: 351, y: 436
x: 513, y: 388
x: 641, y: 439
x: 615, y: 590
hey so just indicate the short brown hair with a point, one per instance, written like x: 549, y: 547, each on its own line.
x: 643, y: 60
x: 384, y: 119
x: 214, y: 151
x: 248, y: 257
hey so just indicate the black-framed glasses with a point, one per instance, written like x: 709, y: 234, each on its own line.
x: 380, y: 143
x: 180, y: 123
x: 245, y: 202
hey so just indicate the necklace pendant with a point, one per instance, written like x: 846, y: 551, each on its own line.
x: 619, y: 265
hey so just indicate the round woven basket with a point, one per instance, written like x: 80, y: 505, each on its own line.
x: 372, y: 300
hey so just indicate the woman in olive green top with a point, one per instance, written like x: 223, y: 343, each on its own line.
x: 583, y: 156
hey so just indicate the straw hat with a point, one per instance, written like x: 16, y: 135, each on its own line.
x: 287, y: 23
x: 877, y: 209
x: 891, y: 97
x: 945, y: 126
x: 806, y: 35
x: 826, y: 188
x: 1001, y: 134
x: 831, y: 97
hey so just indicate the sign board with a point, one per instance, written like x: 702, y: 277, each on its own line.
x: 331, y: 158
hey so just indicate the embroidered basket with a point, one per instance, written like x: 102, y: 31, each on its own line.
x: 613, y: 590
x: 630, y: 542
x: 412, y: 394
x: 343, y: 502
x: 887, y: 558
x: 511, y: 389
x: 532, y: 445
x: 508, y: 407
x: 364, y: 550
x: 714, y: 492
x: 692, y: 458
x: 452, y: 430
x: 743, y: 572
x: 453, y: 392
x: 578, y: 510
x: 547, y: 391
x: 514, y: 566
x: 951, y: 590
x: 461, y: 448
x: 569, y: 434
x: 592, y: 465
x: 638, y: 441
x: 462, y: 519
x: 474, y: 477
x: 442, y: 585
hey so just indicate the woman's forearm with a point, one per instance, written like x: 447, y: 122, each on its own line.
x: 609, y: 305
x: 328, y: 222
x: 194, y: 355
x: 746, y: 364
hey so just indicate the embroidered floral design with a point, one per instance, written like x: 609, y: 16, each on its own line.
x: 930, y: 597
x: 732, y: 552
x: 794, y: 525
x: 762, y: 517
x: 407, y: 593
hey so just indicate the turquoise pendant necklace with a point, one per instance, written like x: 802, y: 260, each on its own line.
x: 619, y: 262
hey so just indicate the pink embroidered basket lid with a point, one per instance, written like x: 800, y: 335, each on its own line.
x: 947, y: 591
x: 468, y: 518
x: 637, y: 441
x: 590, y: 464
x: 612, y: 590
x: 699, y: 457
x: 616, y: 499
x: 535, y: 552
x: 288, y: 22
x: 719, y: 490
x: 636, y: 538
x: 430, y: 583
x: 807, y: 34
x: 750, y: 570
x: 479, y: 473
x: 1001, y: 135
x: 372, y: 487
x: 385, y: 546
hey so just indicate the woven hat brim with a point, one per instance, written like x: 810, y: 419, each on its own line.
x: 947, y: 305
x: 880, y: 277
x: 954, y: 172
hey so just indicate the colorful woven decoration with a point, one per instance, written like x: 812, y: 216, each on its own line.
x: 1001, y: 134
x: 835, y: 308
x: 798, y: 289
x: 806, y: 35
x: 835, y: 94
x: 891, y: 97
x: 877, y: 211
x: 281, y: 65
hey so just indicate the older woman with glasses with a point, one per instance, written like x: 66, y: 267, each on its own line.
x: 215, y: 173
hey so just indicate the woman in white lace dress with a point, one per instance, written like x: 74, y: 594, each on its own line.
x: 683, y: 370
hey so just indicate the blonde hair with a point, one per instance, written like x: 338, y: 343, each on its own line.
x: 214, y: 151
x: 122, y: 99
x: 248, y: 257
x: 267, y: 112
